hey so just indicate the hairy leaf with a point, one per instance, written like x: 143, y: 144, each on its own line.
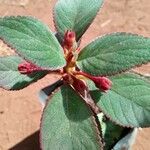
x: 75, y: 15
x: 33, y: 41
x: 114, y: 53
x: 111, y: 132
x: 67, y: 123
x: 10, y: 77
x: 128, y: 102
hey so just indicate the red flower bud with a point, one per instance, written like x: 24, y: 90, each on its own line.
x: 27, y: 68
x: 102, y: 83
x: 69, y: 39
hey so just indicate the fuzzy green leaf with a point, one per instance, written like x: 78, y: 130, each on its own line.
x: 128, y: 102
x: 75, y: 15
x: 10, y: 77
x: 67, y: 123
x: 33, y: 41
x: 111, y: 132
x: 114, y: 53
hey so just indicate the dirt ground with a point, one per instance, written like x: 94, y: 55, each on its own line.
x: 20, y: 111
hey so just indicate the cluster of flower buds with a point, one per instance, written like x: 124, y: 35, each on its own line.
x: 27, y: 68
x: 102, y: 83
x: 70, y: 46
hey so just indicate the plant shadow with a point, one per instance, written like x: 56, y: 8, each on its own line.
x: 29, y: 143
x: 28, y: 79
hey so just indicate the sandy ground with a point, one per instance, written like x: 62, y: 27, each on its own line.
x: 20, y: 111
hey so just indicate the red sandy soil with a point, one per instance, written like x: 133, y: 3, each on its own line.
x: 20, y: 111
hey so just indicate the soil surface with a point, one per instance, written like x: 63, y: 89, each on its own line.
x: 20, y: 111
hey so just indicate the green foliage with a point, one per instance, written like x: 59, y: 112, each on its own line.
x: 11, y: 79
x: 67, y: 123
x: 111, y: 132
x: 114, y: 53
x: 69, y: 120
x: 128, y: 102
x: 75, y: 15
x: 33, y: 41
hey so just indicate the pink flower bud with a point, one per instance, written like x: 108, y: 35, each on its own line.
x: 102, y: 83
x: 27, y: 68
x: 69, y: 39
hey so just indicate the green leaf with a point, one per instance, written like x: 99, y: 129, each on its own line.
x: 128, y: 102
x: 114, y: 53
x: 33, y: 41
x: 75, y: 15
x: 111, y: 132
x: 116, y: 137
x: 10, y: 77
x: 67, y: 123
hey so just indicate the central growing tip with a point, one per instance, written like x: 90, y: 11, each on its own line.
x: 71, y: 73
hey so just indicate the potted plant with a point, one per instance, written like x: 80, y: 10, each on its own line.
x: 98, y: 102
